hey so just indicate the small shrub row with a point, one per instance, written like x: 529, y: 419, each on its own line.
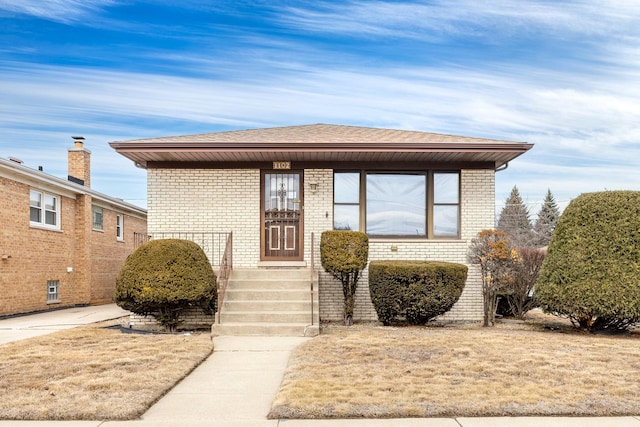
x: 416, y: 290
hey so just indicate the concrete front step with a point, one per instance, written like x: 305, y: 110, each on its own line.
x: 270, y: 274
x: 265, y: 316
x: 266, y: 329
x: 265, y: 305
x: 291, y: 284
x: 268, y: 295
x: 268, y: 302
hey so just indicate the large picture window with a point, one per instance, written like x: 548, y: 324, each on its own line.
x: 404, y: 204
x: 44, y: 209
x: 396, y: 205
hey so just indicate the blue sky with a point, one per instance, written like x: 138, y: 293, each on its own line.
x: 562, y: 75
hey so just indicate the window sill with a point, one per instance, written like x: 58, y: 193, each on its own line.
x: 120, y: 240
x: 98, y: 230
x: 56, y: 301
x: 45, y: 227
x: 434, y: 240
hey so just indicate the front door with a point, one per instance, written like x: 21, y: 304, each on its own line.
x: 281, y: 237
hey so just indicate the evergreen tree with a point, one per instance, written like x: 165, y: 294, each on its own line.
x: 546, y: 222
x: 514, y: 220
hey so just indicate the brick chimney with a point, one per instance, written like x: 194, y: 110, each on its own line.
x: 79, y: 162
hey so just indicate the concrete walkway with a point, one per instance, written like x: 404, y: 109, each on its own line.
x: 234, y: 387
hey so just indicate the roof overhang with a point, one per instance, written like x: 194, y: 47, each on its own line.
x: 319, y: 144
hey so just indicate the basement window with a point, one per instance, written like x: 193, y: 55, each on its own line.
x: 52, y: 291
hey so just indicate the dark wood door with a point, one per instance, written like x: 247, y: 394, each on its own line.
x: 282, y: 215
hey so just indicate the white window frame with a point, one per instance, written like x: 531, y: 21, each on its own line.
x: 94, y: 225
x: 43, y: 210
x: 120, y: 227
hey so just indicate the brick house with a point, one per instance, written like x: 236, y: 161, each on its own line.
x: 418, y: 195
x: 62, y: 242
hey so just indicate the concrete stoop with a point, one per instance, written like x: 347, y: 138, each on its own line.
x: 269, y: 302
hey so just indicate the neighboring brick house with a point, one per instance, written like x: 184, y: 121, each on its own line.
x: 62, y: 244
x: 418, y: 195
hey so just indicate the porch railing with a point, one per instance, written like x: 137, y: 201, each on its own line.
x: 226, y: 265
x: 213, y: 243
x: 218, y: 246
x: 313, y: 276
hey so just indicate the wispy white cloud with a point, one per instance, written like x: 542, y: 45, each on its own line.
x: 582, y: 115
x: 65, y: 11
x: 446, y: 18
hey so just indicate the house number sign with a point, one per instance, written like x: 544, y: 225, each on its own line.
x: 282, y: 165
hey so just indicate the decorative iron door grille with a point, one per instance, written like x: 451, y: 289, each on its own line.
x: 282, y: 204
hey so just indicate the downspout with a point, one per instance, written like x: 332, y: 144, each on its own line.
x: 503, y: 167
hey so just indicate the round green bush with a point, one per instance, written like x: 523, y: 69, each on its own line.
x: 416, y: 290
x: 164, y: 277
x: 591, y: 273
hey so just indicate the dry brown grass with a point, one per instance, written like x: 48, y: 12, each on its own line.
x: 93, y: 373
x: 539, y: 367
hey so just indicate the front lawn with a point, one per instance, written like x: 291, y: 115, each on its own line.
x: 93, y: 373
x: 539, y: 367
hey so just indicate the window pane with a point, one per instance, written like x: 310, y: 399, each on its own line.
x: 36, y: 199
x: 396, y: 204
x: 445, y: 187
x: 35, y: 215
x: 49, y: 203
x: 50, y: 218
x: 346, y: 188
x: 346, y: 217
x: 445, y: 220
x: 97, y: 218
x: 119, y: 226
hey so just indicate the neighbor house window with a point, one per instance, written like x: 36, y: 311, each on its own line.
x: 119, y: 227
x: 398, y: 204
x: 346, y: 206
x: 97, y: 214
x: 44, y: 209
x: 52, y: 291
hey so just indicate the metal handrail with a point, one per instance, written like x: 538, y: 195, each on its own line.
x: 312, y: 278
x: 226, y: 265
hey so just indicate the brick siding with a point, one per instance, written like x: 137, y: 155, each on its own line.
x: 36, y: 255
x: 229, y: 200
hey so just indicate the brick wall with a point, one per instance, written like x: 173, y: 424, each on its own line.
x: 108, y: 254
x: 192, y: 319
x: 36, y: 255
x: 229, y: 200
x: 215, y: 200
x: 477, y: 207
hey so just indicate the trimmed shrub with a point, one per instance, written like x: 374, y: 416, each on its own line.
x: 591, y: 273
x: 416, y: 290
x: 344, y: 254
x: 164, y: 277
